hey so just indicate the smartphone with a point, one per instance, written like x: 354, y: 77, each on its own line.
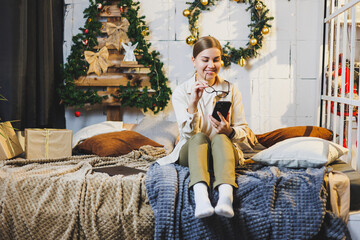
x: 223, y: 107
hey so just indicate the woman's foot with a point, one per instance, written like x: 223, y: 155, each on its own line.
x: 224, y: 205
x: 203, y: 207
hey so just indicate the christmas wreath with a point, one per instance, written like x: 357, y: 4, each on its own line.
x: 155, y: 99
x: 259, y: 26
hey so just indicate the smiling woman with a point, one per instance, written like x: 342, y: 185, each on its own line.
x: 207, y: 63
x: 206, y: 142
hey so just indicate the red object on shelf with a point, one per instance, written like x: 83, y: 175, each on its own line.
x: 344, y: 143
x: 347, y: 90
x: 346, y: 112
x: 347, y: 80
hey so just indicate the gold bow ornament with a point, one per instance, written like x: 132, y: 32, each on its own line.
x: 98, y: 61
x: 117, y: 34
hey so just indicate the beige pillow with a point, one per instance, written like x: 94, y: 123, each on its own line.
x: 161, y: 131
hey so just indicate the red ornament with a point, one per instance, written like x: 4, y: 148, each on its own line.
x: 85, y: 41
x: 77, y: 114
x: 99, y: 6
x: 121, y: 9
x: 86, y: 31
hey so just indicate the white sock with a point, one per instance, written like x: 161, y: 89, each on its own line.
x: 203, y: 207
x: 224, y: 205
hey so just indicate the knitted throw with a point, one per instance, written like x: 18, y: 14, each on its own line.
x: 63, y: 199
x: 270, y: 203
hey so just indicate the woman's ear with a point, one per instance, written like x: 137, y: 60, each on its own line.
x: 193, y: 60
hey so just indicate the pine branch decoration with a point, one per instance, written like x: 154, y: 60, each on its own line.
x: 129, y: 95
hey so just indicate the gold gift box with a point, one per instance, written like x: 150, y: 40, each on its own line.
x: 47, y: 143
x: 9, y: 143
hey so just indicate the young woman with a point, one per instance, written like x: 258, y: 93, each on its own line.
x: 207, y: 144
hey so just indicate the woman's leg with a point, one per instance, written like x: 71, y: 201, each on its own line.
x: 225, y: 159
x: 195, y: 154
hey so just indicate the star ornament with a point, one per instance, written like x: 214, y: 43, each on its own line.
x: 117, y: 34
x: 99, y: 61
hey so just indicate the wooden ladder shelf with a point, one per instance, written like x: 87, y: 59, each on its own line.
x: 119, y: 74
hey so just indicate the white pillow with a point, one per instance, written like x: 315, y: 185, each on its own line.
x: 159, y: 130
x: 96, y: 129
x: 301, y: 152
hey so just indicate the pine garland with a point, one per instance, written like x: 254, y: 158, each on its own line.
x: 71, y: 95
x: 258, y: 25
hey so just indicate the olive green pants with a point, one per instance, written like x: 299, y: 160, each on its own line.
x: 201, y: 155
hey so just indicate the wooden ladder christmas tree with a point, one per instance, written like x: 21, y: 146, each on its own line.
x: 111, y: 52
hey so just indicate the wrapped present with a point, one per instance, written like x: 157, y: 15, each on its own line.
x: 9, y: 143
x: 21, y: 136
x: 47, y: 143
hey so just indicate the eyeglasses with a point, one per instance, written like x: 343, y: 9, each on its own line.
x: 220, y: 94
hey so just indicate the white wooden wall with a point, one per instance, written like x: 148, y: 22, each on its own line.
x: 280, y: 88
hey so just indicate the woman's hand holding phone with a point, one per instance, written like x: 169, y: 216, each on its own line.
x: 222, y: 126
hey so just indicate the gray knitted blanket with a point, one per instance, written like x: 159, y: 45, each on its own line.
x: 270, y: 203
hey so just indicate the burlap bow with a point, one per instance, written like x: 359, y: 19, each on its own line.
x: 98, y: 61
x: 117, y: 34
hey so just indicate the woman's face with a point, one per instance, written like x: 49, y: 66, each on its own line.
x: 208, y: 62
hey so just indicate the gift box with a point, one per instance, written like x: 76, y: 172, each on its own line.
x: 9, y: 143
x: 47, y: 143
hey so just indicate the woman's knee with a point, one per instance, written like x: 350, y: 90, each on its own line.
x: 220, y: 139
x: 200, y: 138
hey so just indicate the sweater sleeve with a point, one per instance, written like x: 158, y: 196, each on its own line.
x: 188, y: 123
x: 238, y: 122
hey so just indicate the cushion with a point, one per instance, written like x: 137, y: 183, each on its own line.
x: 129, y: 126
x: 270, y: 138
x: 160, y: 130
x: 95, y: 129
x: 301, y: 152
x: 115, y: 143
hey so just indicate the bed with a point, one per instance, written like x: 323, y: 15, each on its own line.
x: 109, y: 197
